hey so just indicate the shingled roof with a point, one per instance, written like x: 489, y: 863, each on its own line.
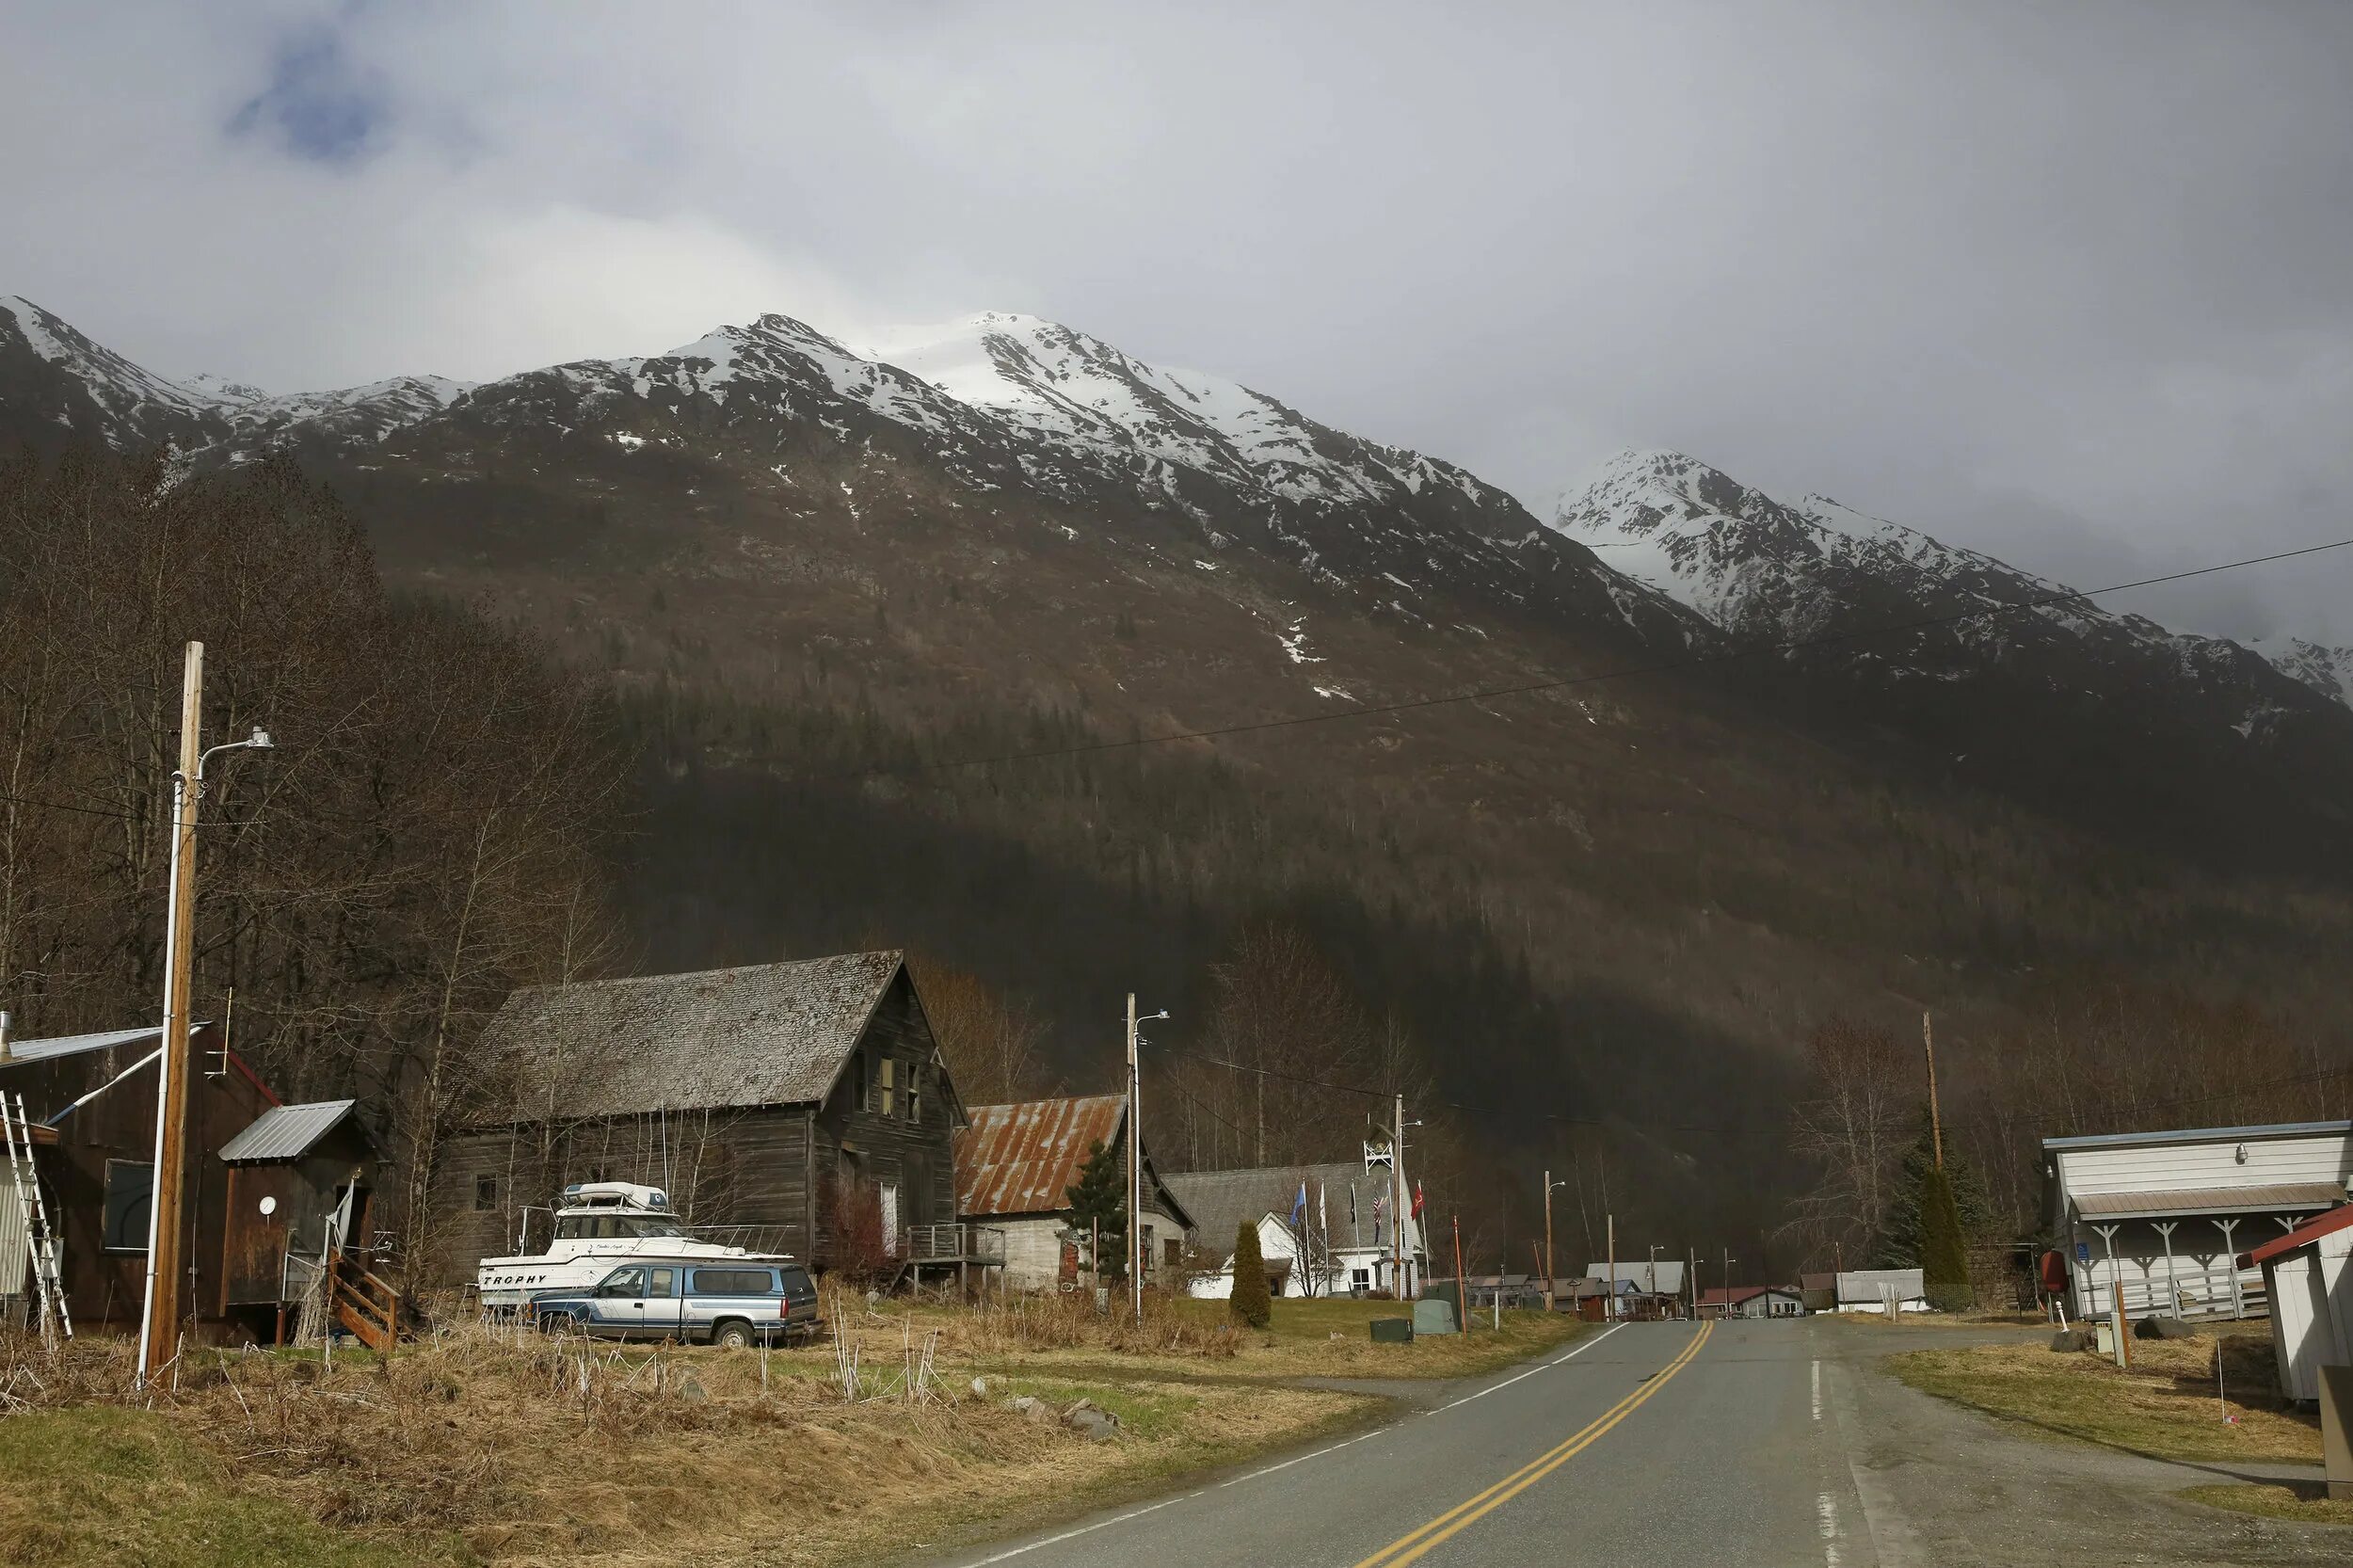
x: 1224, y: 1201
x: 768, y: 1034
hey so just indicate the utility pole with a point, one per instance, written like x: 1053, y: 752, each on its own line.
x: 1691, y: 1280
x: 1614, y: 1268
x: 1936, y: 1125
x: 1396, y: 1202
x: 1548, y: 1275
x: 1727, y: 1311
x: 1135, y: 1170
x: 160, y: 1313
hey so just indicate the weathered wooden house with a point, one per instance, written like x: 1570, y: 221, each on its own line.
x: 1015, y: 1168
x: 92, y: 1106
x: 803, y: 1107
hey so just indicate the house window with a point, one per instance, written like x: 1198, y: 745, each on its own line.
x: 915, y: 1094
x: 886, y: 1088
x: 1172, y: 1253
x: 130, y: 1194
x: 485, y: 1194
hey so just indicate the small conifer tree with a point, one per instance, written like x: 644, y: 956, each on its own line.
x: 1251, y: 1305
x: 1098, y: 1206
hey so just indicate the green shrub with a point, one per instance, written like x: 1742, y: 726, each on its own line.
x: 1251, y: 1305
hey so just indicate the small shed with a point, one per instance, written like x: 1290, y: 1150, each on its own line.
x: 2308, y: 1279
x: 301, y: 1193
x: 1882, y: 1290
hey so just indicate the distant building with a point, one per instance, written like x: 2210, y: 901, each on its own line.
x: 1015, y: 1165
x: 2166, y: 1216
x: 1752, y: 1301
x: 1338, y: 1242
x: 1819, y: 1290
x: 1648, y: 1277
x: 1882, y: 1290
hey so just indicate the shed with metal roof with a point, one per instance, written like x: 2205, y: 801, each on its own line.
x: 1016, y: 1164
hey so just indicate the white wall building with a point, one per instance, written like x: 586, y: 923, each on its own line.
x: 1882, y: 1290
x: 2167, y: 1215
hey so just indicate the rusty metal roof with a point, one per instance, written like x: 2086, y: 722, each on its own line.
x: 2208, y: 1200
x: 1022, y: 1159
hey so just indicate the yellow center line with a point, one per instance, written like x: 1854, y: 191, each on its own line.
x: 1410, y: 1546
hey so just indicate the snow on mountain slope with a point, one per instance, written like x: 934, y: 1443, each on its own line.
x: 364, y: 413
x: 2326, y: 670
x: 1819, y: 569
x: 57, y: 375
x: 1076, y: 390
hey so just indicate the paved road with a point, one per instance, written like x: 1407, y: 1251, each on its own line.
x: 1736, y: 1444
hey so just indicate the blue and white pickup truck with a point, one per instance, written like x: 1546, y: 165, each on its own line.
x: 736, y: 1303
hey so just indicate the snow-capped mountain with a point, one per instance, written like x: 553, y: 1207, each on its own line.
x: 1820, y: 576
x: 54, y: 373
x: 2326, y: 670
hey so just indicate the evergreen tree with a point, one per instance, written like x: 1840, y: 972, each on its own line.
x: 1251, y: 1305
x: 1903, y: 1231
x: 1943, y: 1263
x: 1098, y: 1204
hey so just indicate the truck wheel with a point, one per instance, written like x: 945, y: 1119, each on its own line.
x: 732, y: 1335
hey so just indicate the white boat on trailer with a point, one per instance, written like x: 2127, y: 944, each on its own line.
x: 600, y: 1224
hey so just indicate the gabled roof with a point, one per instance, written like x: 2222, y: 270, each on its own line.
x: 289, y: 1132
x: 145, y: 1039
x: 767, y: 1035
x: 1714, y: 1294
x: 1221, y: 1202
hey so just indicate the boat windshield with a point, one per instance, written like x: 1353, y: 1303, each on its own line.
x: 607, y: 1227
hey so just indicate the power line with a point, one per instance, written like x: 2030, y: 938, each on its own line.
x: 1741, y: 651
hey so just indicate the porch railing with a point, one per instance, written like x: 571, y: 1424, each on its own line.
x: 954, y: 1244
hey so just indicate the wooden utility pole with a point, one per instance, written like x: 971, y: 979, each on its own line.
x: 1548, y: 1275
x: 1462, y: 1286
x: 161, y: 1311
x: 1936, y: 1123
x: 1135, y: 1170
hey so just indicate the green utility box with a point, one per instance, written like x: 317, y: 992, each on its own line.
x: 1393, y: 1331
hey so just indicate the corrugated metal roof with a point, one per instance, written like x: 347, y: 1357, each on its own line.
x: 1022, y: 1159
x: 2200, y: 1135
x: 2208, y: 1200
x: 286, y: 1133
x: 769, y: 1034
x: 73, y: 1044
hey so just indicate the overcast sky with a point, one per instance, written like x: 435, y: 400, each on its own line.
x: 2069, y: 282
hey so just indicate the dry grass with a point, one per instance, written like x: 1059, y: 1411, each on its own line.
x: 2164, y: 1406
x: 2306, y: 1503
x: 519, y: 1448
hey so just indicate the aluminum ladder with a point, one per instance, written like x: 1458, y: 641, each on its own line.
x: 16, y: 1136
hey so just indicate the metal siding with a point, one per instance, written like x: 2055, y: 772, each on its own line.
x: 2176, y: 1166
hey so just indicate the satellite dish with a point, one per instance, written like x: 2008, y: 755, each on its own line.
x: 269, y: 1207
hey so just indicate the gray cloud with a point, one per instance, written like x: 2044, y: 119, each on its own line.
x: 2068, y: 284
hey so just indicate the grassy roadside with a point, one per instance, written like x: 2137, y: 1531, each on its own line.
x: 2164, y: 1407
x: 2306, y: 1504
x: 475, y: 1448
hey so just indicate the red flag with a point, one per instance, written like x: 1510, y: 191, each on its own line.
x: 1417, y: 1200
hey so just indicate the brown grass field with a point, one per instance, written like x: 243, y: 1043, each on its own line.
x: 478, y: 1446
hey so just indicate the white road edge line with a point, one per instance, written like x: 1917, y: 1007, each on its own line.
x: 1507, y: 1383
x: 1818, y: 1390
x: 1082, y: 1529
x: 1011, y: 1552
x: 1825, y: 1513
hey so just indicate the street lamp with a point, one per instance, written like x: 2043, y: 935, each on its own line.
x: 160, y: 1303
x: 1550, y: 1273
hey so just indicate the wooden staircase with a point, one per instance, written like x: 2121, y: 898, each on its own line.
x: 361, y: 1302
